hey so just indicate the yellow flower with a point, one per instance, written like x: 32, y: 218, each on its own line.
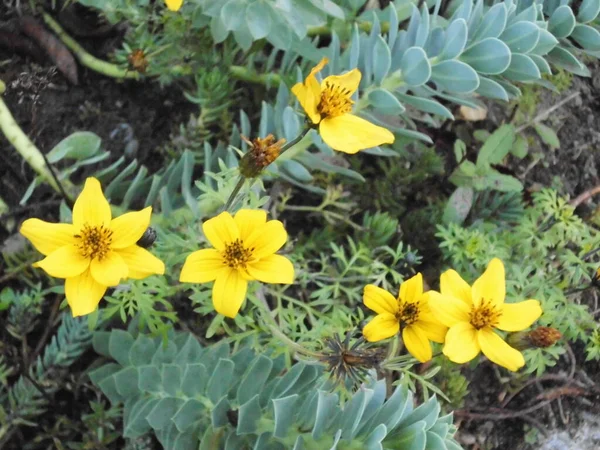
x: 411, y: 311
x: 174, y: 5
x: 244, y: 250
x: 472, y: 314
x: 329, y: 104
x: 95, y: 251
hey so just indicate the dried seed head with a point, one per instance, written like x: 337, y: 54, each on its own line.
x: 540, y: 337
x: 138, y: 61
x: 261, y: 153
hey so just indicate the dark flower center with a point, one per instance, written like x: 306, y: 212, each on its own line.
x: 94, y: 241
x: 335, y: 101
x: 486, y: 315
x: 236, y: 255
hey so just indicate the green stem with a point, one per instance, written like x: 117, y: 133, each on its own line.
x: 85, y: 58
x: 235, y: 191
x: 27, y: 149
x: 244, y: 74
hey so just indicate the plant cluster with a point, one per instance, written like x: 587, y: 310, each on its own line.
x: 336, y: 200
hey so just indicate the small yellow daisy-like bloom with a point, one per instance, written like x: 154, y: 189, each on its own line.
x: 244, y: 250
x: 472, y: 314
x: 329, y: 106
x: 410, y: 310
x: 95, y: 251
x: 174, y: 5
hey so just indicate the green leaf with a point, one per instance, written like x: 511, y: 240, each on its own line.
x: 258, y: 20
x: 497, y: 146
x: 587, y: 37
x: 248, y: 416
x: 565, y: 59
x: 562, y: 22
x: 382, y: 60
x: 284, y: 412
x: 296, y: 170
x: 492, y: 24
x: 194, y: 379
x: 588, y: 10
x: 500, y: 182
x: 520, y: 148
x: 218, y: 30
x: 459, y: 205
x: 460, y: 150
x: 149, y: 379
x: 136, y: 424
x: 326, y: 408
x: 384, y: 101
x: 79, y: 145
x: 455, y: 76
x: 427, y: 105
x: 190, y: 412
x: 220, y: 381
x: 522, y: 68
x: 491, y: 89
x: 142, y: 350
x: 171, y: 379
x: 463, y: 175
x: 541, y: 63
x: 233, y: 14
x: 119, y: 344
x: 126, y: 382
x: 415, y: 67
x: 521, y: 37
x: 254, y: 379
x: 456, y: 39
x: 548, y: 135
x: 490, y: 56
x: 160, y: 416
x: 545, y: 44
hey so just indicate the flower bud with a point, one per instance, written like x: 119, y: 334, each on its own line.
x: 540, y: 337
x: 261, y: 153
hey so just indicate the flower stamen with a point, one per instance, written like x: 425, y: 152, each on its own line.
x: 486, y: 315
x: 408, y: 313
x: 236, y: 255
x: 335, y: 101
x: 94, y: 241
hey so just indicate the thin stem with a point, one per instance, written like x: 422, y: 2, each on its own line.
x: 235, y: 191
x: 294, y: 141
x: 85, y: 58
x: 544, y: 114
x: 244, y: 74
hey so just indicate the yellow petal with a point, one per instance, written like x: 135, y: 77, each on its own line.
x: 221, y: 230
x: 91, y: 206
x: 461, y: 344
x: 110, y: 270
x: 379, y: 300
x: 382, y: 326
x: 452, y: 284
x: 309, y: 92
x: 66, y: 262
x: 411, y: 289
x: 491, y: 286
x: 417, y: 343
x: 83, y: 293
x: 518, y: 316
x: 498, y: 351
x: 248, y: 220
x: 434, y: 330
x: 272, y: 269
x: 447, y: 310
x: 129, y: 228
x: 47, y: 237
x: 267, y: 239
x: 202, y: 266
x: 229, y: 292
x: 174, y: 5
x: 348, y: 81
x: 349, y: 134
x: 141, y: 262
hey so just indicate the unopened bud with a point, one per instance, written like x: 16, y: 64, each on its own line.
x: 541, y: 337
x: 261, y: 153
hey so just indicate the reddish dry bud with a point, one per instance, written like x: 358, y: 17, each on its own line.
x: 137, y: 61
x: 540, y: 337
x: 261, y: 153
